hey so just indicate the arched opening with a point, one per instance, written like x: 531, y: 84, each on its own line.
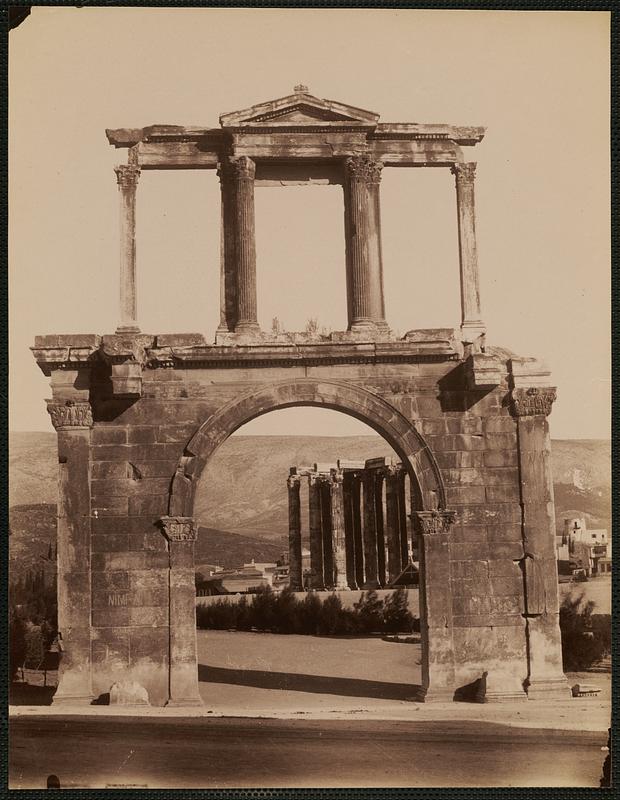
x: 259, y: 667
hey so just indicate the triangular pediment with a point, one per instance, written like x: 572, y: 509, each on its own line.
x: 299, y: 109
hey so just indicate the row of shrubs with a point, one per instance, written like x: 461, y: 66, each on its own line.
x: 285, y: 613
x: 586, y: 637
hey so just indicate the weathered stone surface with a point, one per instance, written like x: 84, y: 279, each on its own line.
x: 128, y: 693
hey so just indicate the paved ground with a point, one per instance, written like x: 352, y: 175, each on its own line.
x: 214, y: 753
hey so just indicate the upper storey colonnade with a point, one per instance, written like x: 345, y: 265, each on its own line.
x: 296, y: 139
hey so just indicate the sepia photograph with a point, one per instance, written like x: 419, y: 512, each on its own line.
x: 309, y: 398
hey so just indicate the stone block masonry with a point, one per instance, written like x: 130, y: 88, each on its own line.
x: 138, y: 416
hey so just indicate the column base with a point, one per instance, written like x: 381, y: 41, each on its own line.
x: 433, y: 695
x: 247, y: 327
x: 552, y: 689
x: 184, y: 702
x: 125, y: 329
x: 472, y: 330
x: 72, y: 699
x: 504, y: 697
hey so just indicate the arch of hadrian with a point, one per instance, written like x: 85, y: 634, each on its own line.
x: 139, y: 414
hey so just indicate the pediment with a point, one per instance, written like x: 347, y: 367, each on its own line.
x: 299, y: 109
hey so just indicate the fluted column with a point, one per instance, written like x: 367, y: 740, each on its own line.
x: 127, y: 176
x: 326, y: 529
x: 392, y: 525
x: 338, y: 529
x: 349, y: 534
x: 228, y: 264
x: 294, y: 534
x: 362, y: 229
x: 379, y: 528
x: 242, y: 176
x: 371, y: 575
x: 402, y: 516
x: 316, y: 532
x: 471, y: 318
x: 358, y: 538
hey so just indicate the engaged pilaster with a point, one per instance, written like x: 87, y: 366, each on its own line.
x: 366, y: 305
x: 471, y: 319
x: 294, y: 534
x: 127, y: 176
x: 73, y: 421
x: 242, y: 172
x: 546, y: 679
x: 181, y: 534
x: 438, y: 673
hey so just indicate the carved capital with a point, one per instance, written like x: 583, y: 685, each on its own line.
x: 240, y: 167
x: 535, y: 400
x: 434, y: 522
x: 127, y: 175
x: 363, y: 168
x: 336, y: 477
x: 179, y: 529
x: 293, y: 482
x: 71, y: 414
x: 464, y: 172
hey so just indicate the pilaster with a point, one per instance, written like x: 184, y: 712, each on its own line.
x: 438, y: 673
x: 181, y: 533
x: 242, y: 171
x: 73, y: 422
x: 546, y: 679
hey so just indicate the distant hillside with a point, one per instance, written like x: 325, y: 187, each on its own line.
x: 243, y: 488
x: 33, y: 529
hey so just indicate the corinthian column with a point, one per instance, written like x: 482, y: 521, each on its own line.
x: 242, y: 176
x: 338, y: 529
x: 371, y: 572
x: 471, y: 319
x: 294, y: 534
x: 228, y: 266
x: 316, y: 532
x: 363, y: 239
x: 392, y: 526
x: 127, y: 178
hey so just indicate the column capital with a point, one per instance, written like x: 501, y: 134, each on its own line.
x: 336, y: 476
x: 127, y: 175
x: 179, y: 529
x: 70, y: 415
x: 293, y: 481
x: 465, y: 172
x: 363, y: 168
x: 535, y: 400
x: 434, y: 522
x: 240, y: 167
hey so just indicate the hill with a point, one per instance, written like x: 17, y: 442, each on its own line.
x: 242, y: 501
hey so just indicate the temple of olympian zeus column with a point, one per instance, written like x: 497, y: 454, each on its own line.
x: 138, y: 415
x: 356, y: 541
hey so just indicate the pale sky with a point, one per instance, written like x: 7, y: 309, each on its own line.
x: 537, y: 80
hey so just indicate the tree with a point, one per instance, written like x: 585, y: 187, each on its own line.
x: 17, y: 642
x: 586, y: 638
x: 370, y: 610
x: 396, y: 614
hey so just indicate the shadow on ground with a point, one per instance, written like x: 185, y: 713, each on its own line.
x: 26, y: 694
x: 316, y: 684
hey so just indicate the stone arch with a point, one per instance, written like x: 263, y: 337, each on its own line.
x: 342, y: 396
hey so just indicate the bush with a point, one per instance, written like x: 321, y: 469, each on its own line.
x: 396, y: 615
x: 17, y: 643
x: 370, y: 612
x: 586, y: 637
x: 284, y: 613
